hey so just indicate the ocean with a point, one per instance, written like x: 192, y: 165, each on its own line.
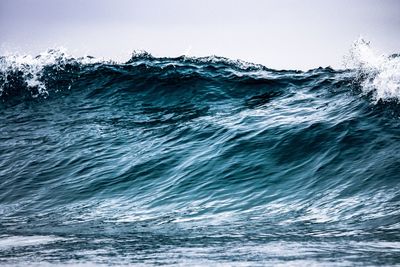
x: 199, y: 161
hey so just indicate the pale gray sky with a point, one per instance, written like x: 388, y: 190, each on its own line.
x: 284, y: 34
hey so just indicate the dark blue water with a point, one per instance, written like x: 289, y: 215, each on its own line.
x: 201, y: 161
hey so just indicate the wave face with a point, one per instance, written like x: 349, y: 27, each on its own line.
x: 198, y: 161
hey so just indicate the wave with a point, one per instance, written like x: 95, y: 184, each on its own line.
x: 123, y: 162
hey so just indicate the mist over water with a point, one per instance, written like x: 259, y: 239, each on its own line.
x: 200, y: 161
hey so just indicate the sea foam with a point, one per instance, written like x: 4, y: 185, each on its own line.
x: 379, y: 73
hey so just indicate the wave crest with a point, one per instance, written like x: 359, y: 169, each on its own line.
x: 379, y: 73
x: 20, y: 72
x: 26, y: 76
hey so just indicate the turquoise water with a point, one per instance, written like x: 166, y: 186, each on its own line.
x: 204, y: 161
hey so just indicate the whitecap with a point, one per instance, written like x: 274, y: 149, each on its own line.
x: 379, y: 73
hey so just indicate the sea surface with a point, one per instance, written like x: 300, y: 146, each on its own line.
x: 199, y: 161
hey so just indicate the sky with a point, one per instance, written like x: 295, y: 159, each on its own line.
x: 281, y: 34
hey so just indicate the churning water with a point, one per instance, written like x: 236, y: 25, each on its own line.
x: 200, y: 161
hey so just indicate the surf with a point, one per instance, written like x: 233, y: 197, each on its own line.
x: 155, y: 155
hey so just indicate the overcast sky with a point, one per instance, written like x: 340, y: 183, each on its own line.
x: 284, y: 34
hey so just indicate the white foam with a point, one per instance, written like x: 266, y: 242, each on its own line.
x: 32, y: 67
x: 379, y: 73
x: 7, y: 242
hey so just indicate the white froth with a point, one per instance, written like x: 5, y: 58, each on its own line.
x: 379, y: 73
x: 7, y: 242
x: 32, y: 67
